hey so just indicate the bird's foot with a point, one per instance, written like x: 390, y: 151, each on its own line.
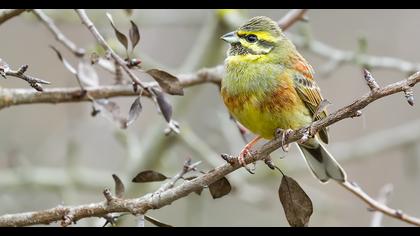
x: 284, y: 136
x: 241, y: 159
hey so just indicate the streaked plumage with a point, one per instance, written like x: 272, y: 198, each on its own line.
x: 269, y: 85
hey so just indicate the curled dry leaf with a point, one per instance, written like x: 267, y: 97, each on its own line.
x: 149, y: 176
x: 296, y: 203
x: 164, y: 106
x: 119, y: 186
x: 169, y: 83
x: 87, y: 74
x: 134, y: 34
x: 120, y: 36
x: 134, y: 112
x: 220, y: 188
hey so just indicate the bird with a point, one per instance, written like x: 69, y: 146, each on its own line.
x: 269, y: 86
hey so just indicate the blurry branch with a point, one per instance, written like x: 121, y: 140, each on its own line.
x: 160, y: 199
x: 338, y: 57
x: 384, y: 193
x: 59, y: 36
x: 11, y: 97
x: 291, y: 17
x: 7, y: 14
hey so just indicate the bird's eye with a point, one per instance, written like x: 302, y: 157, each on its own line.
x: 252, y: 38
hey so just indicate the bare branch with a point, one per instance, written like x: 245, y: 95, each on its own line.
x: 59, y: 36
x: 12, y: 97
x: 10, y: 13
x: 154, y: 201
x: 291, y: 17
x: 32, y: 81
x: 384, y: 193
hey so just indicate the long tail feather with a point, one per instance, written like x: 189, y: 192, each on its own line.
x: 322, y: 163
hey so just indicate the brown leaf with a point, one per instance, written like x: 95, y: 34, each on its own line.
x: 119, y: 186
x: 134, y: 112
x: 169, y: 83
x: 87, y: 74
x: 120, y: 36
x: 64, y: 61
x: 164, y: 106
x: 220, y: 188
x: 156, y: 222
x: 134, y: 34
x: 296, y: 204
x: 149, y: 176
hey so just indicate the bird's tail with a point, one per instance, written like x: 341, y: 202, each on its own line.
x: 322, y: 163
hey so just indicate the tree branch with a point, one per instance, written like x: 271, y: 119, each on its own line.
x: 6, y: 15
x: 12, y: 97
x: 291, y: 17
x: 59, y: 36
x: 160, y: 199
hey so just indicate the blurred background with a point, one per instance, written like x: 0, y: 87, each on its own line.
x: 60, y: 154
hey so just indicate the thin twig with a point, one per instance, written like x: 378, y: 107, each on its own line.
x: 12, y: 97
x: 59, y: 36
x: 384, y: 193
x: 291, y: 17
x: 9, y: 14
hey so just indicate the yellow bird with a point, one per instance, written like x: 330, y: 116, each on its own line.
x: 269, y: 85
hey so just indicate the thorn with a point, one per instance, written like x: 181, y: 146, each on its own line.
x: 108, y: 195
x: 228, y: 158
x: 409, y: 95
x: 370, y: 81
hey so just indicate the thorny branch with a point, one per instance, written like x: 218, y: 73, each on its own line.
x: 68, y: 215
x: 154, y: 201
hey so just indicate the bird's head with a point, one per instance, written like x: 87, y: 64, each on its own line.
x: 258, y: 37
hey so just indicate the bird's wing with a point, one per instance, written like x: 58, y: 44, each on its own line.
x: 309, y: 92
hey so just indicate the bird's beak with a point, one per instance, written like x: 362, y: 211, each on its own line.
x: 230, y: 37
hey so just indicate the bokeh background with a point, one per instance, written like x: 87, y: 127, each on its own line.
x: 59, y: 154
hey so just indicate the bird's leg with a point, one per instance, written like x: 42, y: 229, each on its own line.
x: 245, y: 152
x: 284, y: 136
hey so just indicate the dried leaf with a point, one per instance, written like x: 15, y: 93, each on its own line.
x: 169, y: 83
x: 149, y: 176
x: 164, y: 106
x: 134, y: 112
x: 296, y: 204
x: 156, y: 222
x: 119, y: 186
x: 134, y: 34
x: 87, y: 74
x: 110, y: 110
x: 220, y: 188
x: 120, y: 36
x: 64, y: 61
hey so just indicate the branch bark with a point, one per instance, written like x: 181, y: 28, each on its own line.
x: 160, y: 199
x: 6, y: 15
x: 13, y: 97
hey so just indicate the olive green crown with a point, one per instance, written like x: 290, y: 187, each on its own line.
x: 262, y: 23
